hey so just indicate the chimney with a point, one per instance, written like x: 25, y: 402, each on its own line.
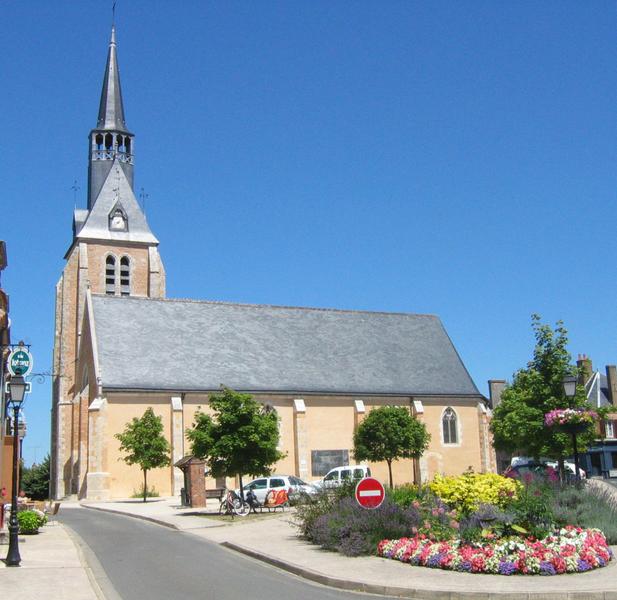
x: 585, y: 368
x: 495, y: 388
x: 611, y: 378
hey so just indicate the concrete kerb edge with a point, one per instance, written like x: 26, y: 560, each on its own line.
x: 101, y: 584
x: 417, y: 593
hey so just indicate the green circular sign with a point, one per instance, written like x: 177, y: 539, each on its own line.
x: 20, y: 362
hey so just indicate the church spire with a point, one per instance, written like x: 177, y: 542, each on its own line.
x: 110, y: 141
x: 111, y: 109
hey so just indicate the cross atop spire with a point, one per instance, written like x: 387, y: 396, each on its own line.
x: 111, y: 109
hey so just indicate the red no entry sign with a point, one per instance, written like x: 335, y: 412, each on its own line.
x: 370, y: 493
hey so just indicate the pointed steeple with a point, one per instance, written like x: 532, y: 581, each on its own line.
x: 110, y: 141
x: 111, y: 109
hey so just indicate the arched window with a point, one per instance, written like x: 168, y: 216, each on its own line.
x: 125, y: 276
x: 110, y: 275
x: 448, y: 422
x: 109, y: 141
x: 98, y: 140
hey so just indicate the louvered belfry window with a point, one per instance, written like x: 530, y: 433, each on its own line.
x: 125, y: 276
x: 110, y: 275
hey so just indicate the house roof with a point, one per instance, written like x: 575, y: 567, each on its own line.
x: 188, y: 345
x: 597, y: 390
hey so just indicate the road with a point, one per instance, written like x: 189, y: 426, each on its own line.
x: 145, y: 560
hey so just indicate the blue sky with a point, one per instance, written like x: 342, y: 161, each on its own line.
x: 452, y: 158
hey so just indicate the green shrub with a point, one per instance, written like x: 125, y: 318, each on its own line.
x: 320, y: 504
x: 29, y: 521
x: 533, y: 508
x: 466, y: 492
x: 404, y: 495
x: 150, y: 492
x: 352, y: 530
x: 587, y: 507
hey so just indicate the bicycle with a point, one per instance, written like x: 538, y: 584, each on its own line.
x: 232, y: 504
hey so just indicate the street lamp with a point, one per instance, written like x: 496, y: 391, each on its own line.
x: 17, y: 391
x: 569, y: 388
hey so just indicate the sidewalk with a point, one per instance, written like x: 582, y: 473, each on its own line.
x: 275, y: 541
x: 52, y: 561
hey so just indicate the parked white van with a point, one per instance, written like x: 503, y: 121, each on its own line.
x: 340, y: 475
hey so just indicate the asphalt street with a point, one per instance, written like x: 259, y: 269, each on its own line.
x: 145, y: 560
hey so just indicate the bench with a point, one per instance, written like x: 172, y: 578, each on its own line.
x: 217, y: 493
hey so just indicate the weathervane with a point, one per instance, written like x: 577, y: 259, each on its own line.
x: 143, y: 197
x: 75, y: 189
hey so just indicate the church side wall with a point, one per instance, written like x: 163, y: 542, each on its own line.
x: 452, y: 459
x: 125, y: 480
x: 328, y: 423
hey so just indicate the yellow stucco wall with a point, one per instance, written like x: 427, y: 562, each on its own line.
x: 329, y: 422
x: 127, y: 479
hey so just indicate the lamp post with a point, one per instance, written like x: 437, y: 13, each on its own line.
x: 569, y: 388
x: 17, y: 390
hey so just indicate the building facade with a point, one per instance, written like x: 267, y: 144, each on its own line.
x: 122, y: 347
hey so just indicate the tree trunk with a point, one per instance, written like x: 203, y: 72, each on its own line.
x: 390, y: 471
x: 145, y: 484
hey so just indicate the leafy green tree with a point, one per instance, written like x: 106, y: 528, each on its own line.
x: 145, y: 444
x: 389, y: 433
x: 35, y: 480
x: 518, y: 420
x: 240, y: 437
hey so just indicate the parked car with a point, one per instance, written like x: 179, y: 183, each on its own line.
x: 294, y: 486
x: 569, y: 467
x: 544, y: 469
x: 340, y: 475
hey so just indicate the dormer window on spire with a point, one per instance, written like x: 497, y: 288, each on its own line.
x: 118, y: 220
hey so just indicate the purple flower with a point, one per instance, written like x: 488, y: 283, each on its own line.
x: 583, y: 565
x: 546, y: 568
x: 507, y: 568
x: 434, y: 561
x: 465, y: 566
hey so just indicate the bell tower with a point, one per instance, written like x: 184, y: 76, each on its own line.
x: 113, y: 252
x: 110, y: 140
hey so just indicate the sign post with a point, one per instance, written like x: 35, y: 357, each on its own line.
x: 370, y: 493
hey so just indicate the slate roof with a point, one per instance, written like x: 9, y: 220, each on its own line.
x: 116, y: 188
x: 111, y: 109
x: 187, y: 345
x: 597, y: 390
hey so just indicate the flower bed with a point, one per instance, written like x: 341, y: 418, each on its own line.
x: 569, y: 550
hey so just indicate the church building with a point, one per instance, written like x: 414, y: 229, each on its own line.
x: 121, y: 346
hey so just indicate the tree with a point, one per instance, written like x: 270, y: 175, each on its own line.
x: 389, y: 433
x: 518, y: 420
x: 240, y: 437
x: 35, y: 480
x: 145, y: 444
